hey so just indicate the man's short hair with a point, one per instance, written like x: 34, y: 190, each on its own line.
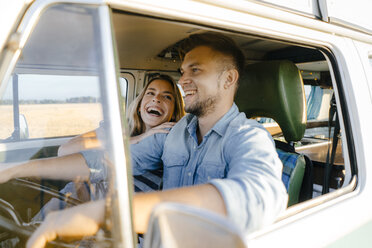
x: 218, y: 42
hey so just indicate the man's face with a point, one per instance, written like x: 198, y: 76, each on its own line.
x: 200, y: 80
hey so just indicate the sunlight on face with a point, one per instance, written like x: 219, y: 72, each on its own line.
x: 158, y: 103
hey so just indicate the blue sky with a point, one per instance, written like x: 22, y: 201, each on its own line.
x: 39, y: 87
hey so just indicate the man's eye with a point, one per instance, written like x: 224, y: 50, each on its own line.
x: 150, y: 93
x: 195, y: 69
x: 168, y: 97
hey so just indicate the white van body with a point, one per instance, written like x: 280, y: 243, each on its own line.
x: 341, y: 30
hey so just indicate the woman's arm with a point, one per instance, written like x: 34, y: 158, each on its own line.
x: 162, y: 128
x: 70, y: 167
x: 89, y: 140
x: 79, y: 143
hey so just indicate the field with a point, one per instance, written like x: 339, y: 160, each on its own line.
x: 52, y: 120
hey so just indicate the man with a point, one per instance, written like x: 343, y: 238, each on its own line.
x: 228, y: 162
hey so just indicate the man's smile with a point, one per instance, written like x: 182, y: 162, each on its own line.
x: 189, y: 94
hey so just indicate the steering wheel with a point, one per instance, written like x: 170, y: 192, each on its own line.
x: 14, y: 232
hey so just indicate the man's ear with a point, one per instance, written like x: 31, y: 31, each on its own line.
x: 231, y: 78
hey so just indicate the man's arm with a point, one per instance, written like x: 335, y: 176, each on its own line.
x: 253, y: 191
x: 204, y: 196
x: 75, y: 222
x: 85, y: 219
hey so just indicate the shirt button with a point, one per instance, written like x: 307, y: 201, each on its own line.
x: 189, y: 174
x: 209, y: 178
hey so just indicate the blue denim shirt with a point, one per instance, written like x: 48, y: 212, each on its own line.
x: 237, y: 156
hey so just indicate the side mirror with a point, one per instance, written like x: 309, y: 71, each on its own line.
x: 23, y: 127
x: 21, y: 131
x: 181, y: 226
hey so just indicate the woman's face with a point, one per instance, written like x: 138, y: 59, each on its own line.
x: 158, y: 103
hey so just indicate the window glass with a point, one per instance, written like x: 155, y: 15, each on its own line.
x: 124, y: 88
x: 6, y: 114
x: 317, y: 101
x: 55, y: 92
x: 52, y: 105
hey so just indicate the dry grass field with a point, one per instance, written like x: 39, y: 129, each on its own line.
x: 53, y: 120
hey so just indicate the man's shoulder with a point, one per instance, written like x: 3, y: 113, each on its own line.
x: 183, y: 122
x: 179, y: 128
x: 242, y: 123
x: 242, y: 128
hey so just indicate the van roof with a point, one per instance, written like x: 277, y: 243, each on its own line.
x: 336, y: 12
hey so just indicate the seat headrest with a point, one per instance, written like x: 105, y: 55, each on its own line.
x: 274, y: 89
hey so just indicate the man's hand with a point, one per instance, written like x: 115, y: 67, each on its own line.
x: 85, y: 219
x: 72, y: 223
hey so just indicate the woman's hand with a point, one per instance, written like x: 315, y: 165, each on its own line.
x: 79, y: 143
x: 71, y: 223
x: 8, y: 171
x: 162, y: 128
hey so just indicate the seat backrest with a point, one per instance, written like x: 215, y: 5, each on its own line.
x: 275, y: 89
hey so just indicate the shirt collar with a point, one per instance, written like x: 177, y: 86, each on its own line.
x: 221, y: 125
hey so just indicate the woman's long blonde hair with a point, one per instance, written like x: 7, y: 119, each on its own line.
x: 136, y: 125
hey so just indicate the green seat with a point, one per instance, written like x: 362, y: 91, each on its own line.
x: 295, y: 181
x: 275, y: 89
x: 293, y: 172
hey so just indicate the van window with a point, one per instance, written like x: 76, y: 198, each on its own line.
x: 58, y: 89
x: 316, y: 146
x: 315, y: 69
x: 57, y: 94
x: 123, y: 87
x: 52, y: 105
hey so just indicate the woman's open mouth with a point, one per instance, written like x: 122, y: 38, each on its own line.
x: 154, y: 111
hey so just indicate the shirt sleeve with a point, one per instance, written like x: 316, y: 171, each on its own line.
x: 146, y: 154
x: 253, y: 192
x: 95, y: 159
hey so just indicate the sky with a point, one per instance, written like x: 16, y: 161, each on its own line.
x: 39, y: 87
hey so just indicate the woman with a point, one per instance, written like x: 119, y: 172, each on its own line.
x: 159, y: 103
x: 156, y: 109
x: 147, y: 117
x: 141, y: 122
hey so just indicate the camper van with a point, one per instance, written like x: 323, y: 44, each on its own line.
x: 67, y: 67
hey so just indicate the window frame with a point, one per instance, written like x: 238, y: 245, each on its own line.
x: 328, y: 49
x: 123, y: 233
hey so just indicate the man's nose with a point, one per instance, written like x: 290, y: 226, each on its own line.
x: 184, y: 79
